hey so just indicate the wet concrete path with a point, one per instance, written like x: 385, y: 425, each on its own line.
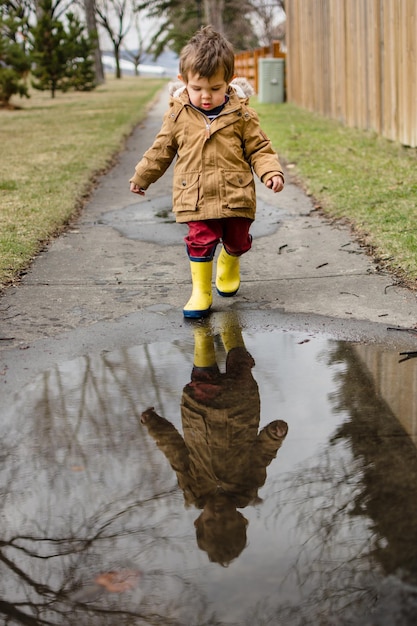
x: 292, y: 502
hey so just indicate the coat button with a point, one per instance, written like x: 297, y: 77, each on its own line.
x: 240, y: 181
x: 184, y: 183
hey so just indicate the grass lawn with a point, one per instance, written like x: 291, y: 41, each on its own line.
x: 52, y: 149
x: 353, y: 175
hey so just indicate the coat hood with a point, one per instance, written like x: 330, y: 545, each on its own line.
x: 241, y: 86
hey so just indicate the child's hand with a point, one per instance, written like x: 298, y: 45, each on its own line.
x: 136, y: 189
x: 146, y: 415
x: 281, y: 429
x: 276, y: 183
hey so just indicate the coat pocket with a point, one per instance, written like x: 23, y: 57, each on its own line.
x: 239, y: 189
x: 186, y: 191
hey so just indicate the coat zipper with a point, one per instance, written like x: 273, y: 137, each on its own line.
x: 207, y: 122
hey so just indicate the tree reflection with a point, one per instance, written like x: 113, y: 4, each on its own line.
x: 355, y: 506
x: 87, y: 504
x: 387, y: 493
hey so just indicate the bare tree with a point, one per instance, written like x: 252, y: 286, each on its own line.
x: 268, y: 15
x: 137, y: 55
x: 213, y: 12
x: 57, y: 9
x: 116, y: 17
x: 90, y: 16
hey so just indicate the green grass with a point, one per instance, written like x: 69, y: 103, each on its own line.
x: 52, y: 150
x: 353, y: 175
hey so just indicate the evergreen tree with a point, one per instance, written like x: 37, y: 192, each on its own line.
x: 62, y: 59
x: 14, y: 62
x: 179, y: 19
x: 80, y: 72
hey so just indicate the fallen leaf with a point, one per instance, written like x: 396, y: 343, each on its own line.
x: 118, y: 581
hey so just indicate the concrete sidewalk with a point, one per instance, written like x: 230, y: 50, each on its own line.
x: 121, y: 273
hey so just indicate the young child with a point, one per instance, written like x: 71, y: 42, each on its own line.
x: 217, y: 141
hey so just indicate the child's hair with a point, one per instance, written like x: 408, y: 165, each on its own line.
x: 223, y: 541
x: 205, y: 53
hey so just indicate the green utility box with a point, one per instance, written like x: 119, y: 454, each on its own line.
x: 271, y: 80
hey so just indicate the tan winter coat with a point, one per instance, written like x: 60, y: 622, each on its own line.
x: 214, y: 161
x: 221, y: 450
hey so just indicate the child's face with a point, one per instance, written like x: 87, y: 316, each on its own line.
x: 206, y: 93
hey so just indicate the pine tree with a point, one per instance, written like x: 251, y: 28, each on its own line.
x: 49, y: 56
x: 179, y: 19
x: 62, y: 59
x: 80, y: 71
x: 14, y: 62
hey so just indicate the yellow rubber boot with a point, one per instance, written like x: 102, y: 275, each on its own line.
x: 228, y: 274
x: 231, y: 333
x: 201, y: 298
x: 204, y: 353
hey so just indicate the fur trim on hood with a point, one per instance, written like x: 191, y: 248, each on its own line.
x: 242, y: 87
x: 176, y: 88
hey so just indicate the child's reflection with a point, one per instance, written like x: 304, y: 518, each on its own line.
x: 221, y: 461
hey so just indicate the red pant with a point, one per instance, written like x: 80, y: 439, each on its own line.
x: 203, y: 237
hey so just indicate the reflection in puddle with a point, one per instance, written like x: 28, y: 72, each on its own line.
x: 221, y: 460
x: 116, y: 513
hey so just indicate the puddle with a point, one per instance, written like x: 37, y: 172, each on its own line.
x: 153, y: 221
x: 209, y: 514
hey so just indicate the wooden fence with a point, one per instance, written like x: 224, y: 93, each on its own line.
x: 246, y: 63
x: 397, y: 386
x: 355, y: 61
